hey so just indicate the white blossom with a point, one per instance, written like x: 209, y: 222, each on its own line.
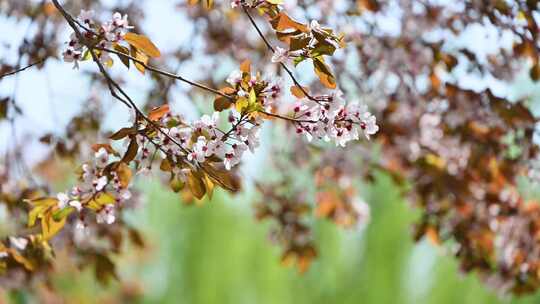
x: 280, y: 55
x: 18, y: 242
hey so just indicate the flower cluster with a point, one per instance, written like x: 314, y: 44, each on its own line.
x: 103, y: 184
x: 203, y: 139
x: 331, y: 118
x: 102, y: 35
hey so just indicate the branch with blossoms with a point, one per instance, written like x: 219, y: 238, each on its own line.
x: 197, y: 155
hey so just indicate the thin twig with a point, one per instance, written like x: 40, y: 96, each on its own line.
x: 296, y: 82
x: 293, y: 120
x: 164, y: 73
x: 21, y: 69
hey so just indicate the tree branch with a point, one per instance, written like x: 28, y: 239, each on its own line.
x: 246, y: 10
x: 165, y: 73
x: 22, y: 69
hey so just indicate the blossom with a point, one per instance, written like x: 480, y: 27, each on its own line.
x: 76, y: 204
x: 120, y: 21
x: 100, y: 183
x: 216, y: 147
x: 199, y: 150
x: 86, y: 17
x: 102, y: 157
x: 63, y: 200
x: 280, y: 55
x: 106, y: 215
x: 236, y: 3
x: 315, y: 26
x: 235, y: 77
x: 206, y: 122
x: 71, y: 55
x: 18, y: 242
x: 369, y: 125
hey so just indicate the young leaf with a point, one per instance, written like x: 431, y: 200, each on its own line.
x: 221, y: 103
x: 50, y: 227
x: 143, y: 44
x: 123, y: 133
x: 323, y: 71
x: 123, y: 50
x: 139, y: 56
x: 124, y: 173
x: 245, y: 66
x: 131, y: 151
x: 298, y: 92
x: 158, y: 112
x: 196, y: 185
x: 101, y: 199
x: 283, y: 22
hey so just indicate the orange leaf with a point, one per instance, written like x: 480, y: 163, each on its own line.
x: 298, y: 92
x: 245, y: 66
x: 158, y: 112
x: 284, y: 22
x: 143, y: 44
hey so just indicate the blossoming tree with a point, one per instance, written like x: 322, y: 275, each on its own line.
x: 458, y: 153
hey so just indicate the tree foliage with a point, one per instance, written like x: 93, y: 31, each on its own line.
x: 458, y: 150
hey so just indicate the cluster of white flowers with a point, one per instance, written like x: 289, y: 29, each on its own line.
x: 94, y: 181
x: 333, y: 119
x: 203, y: 139
x: 105, y: 34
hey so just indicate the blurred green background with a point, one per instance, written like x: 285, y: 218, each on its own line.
x: 218, y: 253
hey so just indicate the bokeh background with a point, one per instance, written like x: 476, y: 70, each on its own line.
x: 216, y: 253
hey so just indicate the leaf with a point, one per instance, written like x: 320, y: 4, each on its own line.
x: 105, y: 269
x: 209, y: 185
x: 323, y: 71
x: 3, y: 107
x: 123, y: 50
x: 62, y: 213
x: 196, y: 184
x: 298, y: 92
x: 534, y: 72
x: 124, y: 174
x: 222, y: 177
x: 252, y: 97
x: 241, y: 104
x: 245, y: 66
x: 22, y: 260
x: 41, y: 205
x: 221, y: 103
x: 143, y: 44
x: 283, y: 22
x: 123, y: 133
x: 131, y: 151
x: 107, y: 147
x: 100, y: 200
x: 165, y: 165
x: 176, y: 183
x: 298, y: 43
x: 135, y: 53
x: 50, y: 227
x: 158, y: 112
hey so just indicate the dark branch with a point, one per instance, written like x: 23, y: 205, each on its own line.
x: 21, y: 69
x: 246, y: 10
